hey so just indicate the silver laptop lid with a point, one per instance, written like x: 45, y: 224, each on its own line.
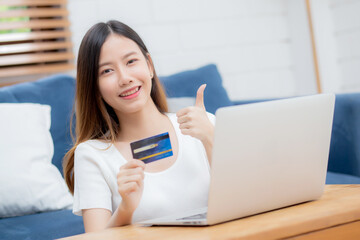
x: 269, y: 155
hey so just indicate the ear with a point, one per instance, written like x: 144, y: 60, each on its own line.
x: 150, y: 64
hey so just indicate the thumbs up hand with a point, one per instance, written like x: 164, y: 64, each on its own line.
x: 194, y: 120
x: 200, y: 97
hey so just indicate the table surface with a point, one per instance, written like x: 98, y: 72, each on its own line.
x: 338, y: 208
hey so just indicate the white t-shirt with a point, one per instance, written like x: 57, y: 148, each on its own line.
x: 181, y: 187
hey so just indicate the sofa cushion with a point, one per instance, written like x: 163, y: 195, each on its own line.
x: 46, y: 225
x: 57, y: 91
x: 340, y: 178
x: 186, y: 84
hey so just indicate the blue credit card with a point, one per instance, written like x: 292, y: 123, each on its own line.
x: 152, y: 148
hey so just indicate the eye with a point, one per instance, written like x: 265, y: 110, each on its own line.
x: 105, y: 71
x: 131, y: 61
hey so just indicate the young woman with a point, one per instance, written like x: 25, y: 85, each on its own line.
x: 119, y: 100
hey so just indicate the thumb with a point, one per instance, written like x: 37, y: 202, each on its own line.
x: 200, y: 97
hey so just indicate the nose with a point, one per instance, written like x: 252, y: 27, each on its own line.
x: 124, y: 78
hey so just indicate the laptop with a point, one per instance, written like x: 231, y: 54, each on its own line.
x: 266, y: 156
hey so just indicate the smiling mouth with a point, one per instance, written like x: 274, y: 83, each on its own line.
x: 131, y: 92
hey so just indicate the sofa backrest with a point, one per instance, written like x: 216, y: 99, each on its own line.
x: 57, y: 91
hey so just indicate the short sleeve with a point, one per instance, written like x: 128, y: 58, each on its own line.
x: 211, y: 117
x: 91, y: 189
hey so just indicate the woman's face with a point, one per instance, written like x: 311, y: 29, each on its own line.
x: 124, y: 75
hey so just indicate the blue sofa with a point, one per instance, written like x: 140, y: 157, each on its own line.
x: 58, y: 92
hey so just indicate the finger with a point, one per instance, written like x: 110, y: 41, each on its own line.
x: 128, y: 172
x: 138, y: 178
x: 186, y: 131
x: 183, y: 111
x: 123, y: 182
x: 139, y: 163
x: 183, y: 119
x: 133, y: 164
x: 185, y: 125
x: 200, y: 97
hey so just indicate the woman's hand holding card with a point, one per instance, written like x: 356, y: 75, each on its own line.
x: 130, y: 180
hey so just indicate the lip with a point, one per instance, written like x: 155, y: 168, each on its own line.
x: 132, y: 95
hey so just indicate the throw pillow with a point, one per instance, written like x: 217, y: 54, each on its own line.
x: 186, y: 84
x: 29, y: 182
x: 58, y: 91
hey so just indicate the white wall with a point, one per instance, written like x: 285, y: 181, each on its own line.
x: 337, y: 34
x: 346, y: 19
x: 261, y: 47
x: 248, y: 40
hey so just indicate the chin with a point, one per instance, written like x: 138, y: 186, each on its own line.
x: 134, y: 108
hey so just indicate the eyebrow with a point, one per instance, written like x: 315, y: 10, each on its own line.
x: 124, y: 57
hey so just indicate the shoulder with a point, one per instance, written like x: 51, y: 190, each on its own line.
x: 91, y: 150
x: 93, y: 156
x: 93, y: 145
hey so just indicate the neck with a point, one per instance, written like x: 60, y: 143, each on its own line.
x: 141, y: 124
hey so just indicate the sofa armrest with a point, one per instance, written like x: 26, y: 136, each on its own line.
x: 345, y: 139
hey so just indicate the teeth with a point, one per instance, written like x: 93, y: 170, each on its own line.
x: 130, y: 92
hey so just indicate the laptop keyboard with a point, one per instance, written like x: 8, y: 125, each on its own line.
x: 196, y: 216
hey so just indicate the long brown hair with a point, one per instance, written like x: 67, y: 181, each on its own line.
x: 95, y: 119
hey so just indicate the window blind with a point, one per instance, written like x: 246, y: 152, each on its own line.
x: 34, y: 37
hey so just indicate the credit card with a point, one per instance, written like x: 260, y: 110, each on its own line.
x: 152, y: 149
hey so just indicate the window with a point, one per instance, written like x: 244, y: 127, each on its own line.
x: 34, y: 37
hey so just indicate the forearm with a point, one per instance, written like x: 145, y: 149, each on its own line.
x: 120, y: 217
x: 208, y: 144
